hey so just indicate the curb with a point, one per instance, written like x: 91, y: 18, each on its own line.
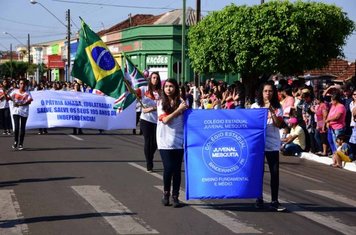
x: 350, y: 166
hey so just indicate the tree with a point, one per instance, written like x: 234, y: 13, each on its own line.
x: 275, y: 37
x: 18, y: 68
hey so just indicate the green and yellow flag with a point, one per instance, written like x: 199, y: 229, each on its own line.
x: 95, y: 66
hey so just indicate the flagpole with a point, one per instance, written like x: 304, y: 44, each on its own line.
x: 128, y: 86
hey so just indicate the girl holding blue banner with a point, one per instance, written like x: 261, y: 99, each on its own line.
x: 268, y: 98
x: 170, y: 138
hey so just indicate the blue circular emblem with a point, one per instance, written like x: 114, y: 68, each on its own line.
x: 225, y: 152
x: 103, y: 58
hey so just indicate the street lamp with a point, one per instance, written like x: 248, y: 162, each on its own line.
x: 68, y: 33
x: 14, y: 38
x: 28, y: 45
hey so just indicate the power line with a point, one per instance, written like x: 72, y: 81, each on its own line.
x: 23, y: 23
x: 122, y: 6
x: 115, y: 5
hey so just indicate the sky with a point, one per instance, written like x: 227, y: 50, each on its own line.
x: 20, y: 18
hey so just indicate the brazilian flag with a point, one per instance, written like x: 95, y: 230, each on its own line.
x: 95, y: 66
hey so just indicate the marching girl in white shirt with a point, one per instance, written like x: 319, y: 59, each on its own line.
x: 21, y: 100
x: 170, y: 137
x: 148, y: 124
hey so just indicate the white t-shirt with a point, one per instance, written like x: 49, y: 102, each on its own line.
x: 3, y: 101
x: 352, y: 106
x: 170, y: 135
x: 299, y: 132
x: 273, y: 139
x: 20, y: 98
x: 148, y: 102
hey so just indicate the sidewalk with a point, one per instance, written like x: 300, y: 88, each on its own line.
x: 351, y: 166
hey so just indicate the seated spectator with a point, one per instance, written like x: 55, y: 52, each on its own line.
x: 284, y: 136
x: 343, y: 153
x: 295, y: 142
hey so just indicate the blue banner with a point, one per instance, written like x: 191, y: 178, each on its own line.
x: 224, y: 155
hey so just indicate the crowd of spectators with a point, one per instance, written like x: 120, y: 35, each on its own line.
x: 314, y: 116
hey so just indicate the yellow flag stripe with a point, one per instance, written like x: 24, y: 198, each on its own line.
x: 99, y: 73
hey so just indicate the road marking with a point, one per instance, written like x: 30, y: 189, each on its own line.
x: 113, y: 211
x: 327, y: 220
x: 76, y: 137
x: 11, y: 219
x: 231, y: 223
x: 334, y: 196
x: 302, y: 176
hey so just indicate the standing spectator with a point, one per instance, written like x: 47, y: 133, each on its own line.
x: 268, y: 98
x: 309, y: 120
x: 77, y: 131
x: 287, y: 101
x: 21, y: 100
x: 148, y: 123
x: 352, y: 140
x: 335, y: 120
x: 170, y: 137
x: 346, y: 100
x: 5, y: 116
x: 41, y: 131
x: 239, y: 95
x: 321, y: 110
x: 138, y: 110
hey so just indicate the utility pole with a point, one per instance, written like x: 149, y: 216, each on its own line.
x: 197, y: 19
x: 11, y: 60
x: 183, y: 41
x: 68, y: 46
x: 262, y: 1
x: 29, y: 49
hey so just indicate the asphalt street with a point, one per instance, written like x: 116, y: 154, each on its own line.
x: 98, y: 184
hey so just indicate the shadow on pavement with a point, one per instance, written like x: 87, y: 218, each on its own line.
x: 35, y: 180
x: 13, y: 223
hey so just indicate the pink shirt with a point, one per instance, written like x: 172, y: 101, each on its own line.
x: 319, y: 115
x: 287, y: 105
x: 334, y: 110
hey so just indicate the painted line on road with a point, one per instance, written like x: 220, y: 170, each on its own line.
x: 76, y: 137
x: 231, y: 223
x: 11, y: 219
x: 334, y: 196
x: 327, y: 220
x: 302, y: 176
x: 113, y: 211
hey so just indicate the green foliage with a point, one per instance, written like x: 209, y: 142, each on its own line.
x: 278, y: 36
x: 16, y: 69
x: 20, y: 69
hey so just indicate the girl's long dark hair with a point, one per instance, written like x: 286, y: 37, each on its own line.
x: 167, y: 106
x: 274, y: 101
x: 152, y: 87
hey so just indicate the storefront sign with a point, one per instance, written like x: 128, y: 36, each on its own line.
x: 158, y: 59
x: 55, y: 61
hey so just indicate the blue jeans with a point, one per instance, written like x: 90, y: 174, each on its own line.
x: 172, y: 164
x: 273, y: 165
x: 20, y: 128
x: 332, y: 137
x: 292, y: 149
